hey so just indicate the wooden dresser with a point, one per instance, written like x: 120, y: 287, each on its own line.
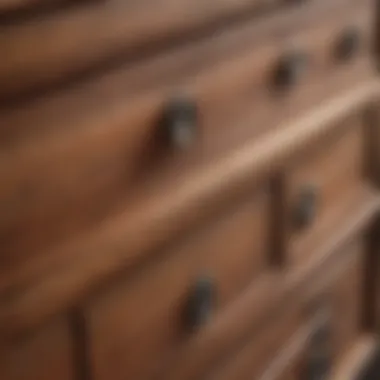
x: 189, y: 189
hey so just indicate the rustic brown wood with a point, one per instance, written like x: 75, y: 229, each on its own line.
x: 84, y: 44
x: 347, y: 305
x: 353, y: 364
x: 9, y: 8
x: 98, y: 163
x: 255, y: 360
x: 333, y: 170
x: 195, y: 197
x: 46, y: 352
x: 100, y: 159
x: 286, y: 365
x: 232, y: 251
x: 250, y: 311
x: 252, y: 360
x: 95, y: 177
x: 234, y: 245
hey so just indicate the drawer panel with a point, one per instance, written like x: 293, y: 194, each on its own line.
x: 127, y: 27
x: 339, y: 298
x: 322, y: 185
x: 313, y: 332
x: 102, y: 152
x: 45, y: 353
x: 136, y: 326
x: 252, y: 359
x: 348, y: 304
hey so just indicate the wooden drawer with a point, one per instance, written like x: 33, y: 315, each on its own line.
x: 322, y: 185
x: 48, y: 351
x: 136, y: 326
x: 335, y: 327
x: 329, y: 309
x: 338, y: 296
x: 127, y: 28
x: 252, y: 359
x: 79, y: 157
x: 348, y: 302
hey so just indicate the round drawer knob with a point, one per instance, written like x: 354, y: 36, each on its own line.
x: 181, y: 122
x: 290, y: 69
x: 200, y: 303
x: 306, y: 207
x: 348, y: 44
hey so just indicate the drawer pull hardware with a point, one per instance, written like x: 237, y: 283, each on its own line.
x: 181, y: 122
x: 290, y: 69
x: 347, y: 45
x: 305, y: 207
x: 319, y: 355
x: 200, y: 303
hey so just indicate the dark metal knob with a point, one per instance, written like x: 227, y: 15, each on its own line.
x: 290, y: 69
x: 318, y: 362
x: 348, y: 44
x: 200, y: 303
x: 305, y: 207
x: 181, y: 122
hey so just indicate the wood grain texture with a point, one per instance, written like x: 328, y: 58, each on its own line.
x: 82, y: 263
x: 84, y: 44
x: 255, y: 356
x: 288, y: 361
x: 232, y: 251
x: 68, y: 162
x: 340, y: 288
x: 218, y: 64
x: 334, y: 169
x: 347, y: 301
x: 242, y: 321
x: 62, y: 187
x: 290, y: 358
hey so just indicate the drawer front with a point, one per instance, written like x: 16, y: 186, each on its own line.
x: 126, y: 27
x: 254, y: 357
x: 321, y: 186
x: 112, y: 150
x: 348, y: 304
x: 331, y: 326
x: 339, y: 300
x: 308, y: 338
x: 45, y: 353
x: 136, y: 327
